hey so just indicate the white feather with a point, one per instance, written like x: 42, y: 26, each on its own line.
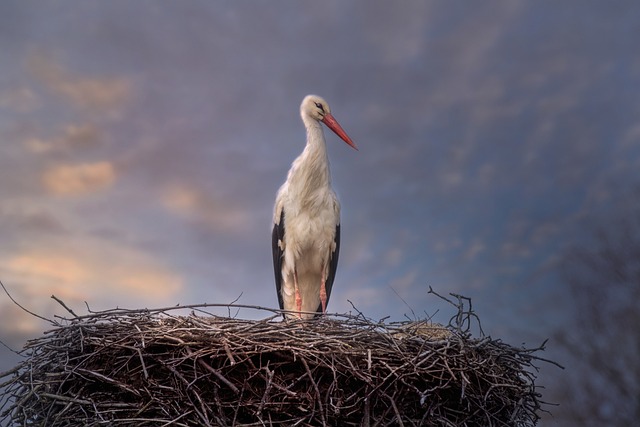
x: 312, y: 212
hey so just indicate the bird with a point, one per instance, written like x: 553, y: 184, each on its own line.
x: 306, y: 220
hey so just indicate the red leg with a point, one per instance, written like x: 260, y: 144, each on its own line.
x: 298, y: 297
x: 323, y: 291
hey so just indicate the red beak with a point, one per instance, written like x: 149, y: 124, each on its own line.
x: 335, y: 127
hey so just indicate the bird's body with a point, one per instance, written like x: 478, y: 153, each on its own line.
x: 306, y: 232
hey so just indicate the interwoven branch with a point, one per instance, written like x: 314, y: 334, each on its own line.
x: 153, y: 367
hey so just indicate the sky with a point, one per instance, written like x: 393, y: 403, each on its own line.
x: 142, y: 144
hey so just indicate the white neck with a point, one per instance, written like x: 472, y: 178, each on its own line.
x: 311, y: 168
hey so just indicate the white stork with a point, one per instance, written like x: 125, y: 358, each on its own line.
x: 306, y: 230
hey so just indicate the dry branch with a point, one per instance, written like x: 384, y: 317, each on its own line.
x: 154, y: 367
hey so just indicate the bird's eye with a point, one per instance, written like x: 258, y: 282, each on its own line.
x: 320, y: 106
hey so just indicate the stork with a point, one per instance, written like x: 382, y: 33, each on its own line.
x: 306, y: 220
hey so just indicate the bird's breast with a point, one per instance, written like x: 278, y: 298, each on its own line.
x: 308, y: 232
x: 309, y: 238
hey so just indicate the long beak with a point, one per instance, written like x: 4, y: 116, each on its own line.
x: 335, y: 126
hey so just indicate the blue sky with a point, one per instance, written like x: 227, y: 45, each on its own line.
x: 142, y: 144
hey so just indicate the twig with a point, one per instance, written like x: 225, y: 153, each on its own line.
x: 213, y: 371
x: 266, y: 390
x: 405, y: 303
x: 64, y: 305
x: 463, y: 316
x: 317, y: 390
x: 130, y: 366
x: 24, y: 309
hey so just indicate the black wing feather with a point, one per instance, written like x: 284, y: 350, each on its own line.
x: 278, y: 236
x: 333, y: 266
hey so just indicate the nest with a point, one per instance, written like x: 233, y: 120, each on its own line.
x: 156, y: 367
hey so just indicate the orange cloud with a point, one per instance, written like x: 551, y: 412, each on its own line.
x: 104, y: 277
x: 71, y: 180
x: 18, y: 322
x: 94, y: 274
x: 181, y: 199
x: 95, y: 93
x: 103, y: 93
x: 49, y: 268
x: 194, y: 204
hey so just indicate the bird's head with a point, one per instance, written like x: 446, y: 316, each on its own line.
x: 316, y: 108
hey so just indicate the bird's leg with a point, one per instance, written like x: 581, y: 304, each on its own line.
x: 297, y: 290
x: 323, y: 290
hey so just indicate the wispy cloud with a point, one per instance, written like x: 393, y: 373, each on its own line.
x: 100, y: 93
x: 79, y: 179
x: 20, y: 219
x: 93, y: 274
x: 72, y: 137
x: 215, y: 213
x: 102, y: 278
x: 22, y: 324
x: 399, y: 33
x: 21, y: 99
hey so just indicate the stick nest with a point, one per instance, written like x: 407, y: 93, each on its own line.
x: 155, y: 367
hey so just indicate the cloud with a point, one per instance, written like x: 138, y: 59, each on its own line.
x: 16, y: 219
x: 403, y: 282
x: 63, y: 273
x: 443, y: 243
x: 73, y: 137
x: 393, y: 256
x: 631, y: 137
x: 101, y: 93
x: 474, y: 249
x: 91, y: 273
x: 21, y: 323
x: 21, y: 99
x: 364, y: 296
x: 217, y: 213
x: 73, y: 180
x: 399, y: 33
